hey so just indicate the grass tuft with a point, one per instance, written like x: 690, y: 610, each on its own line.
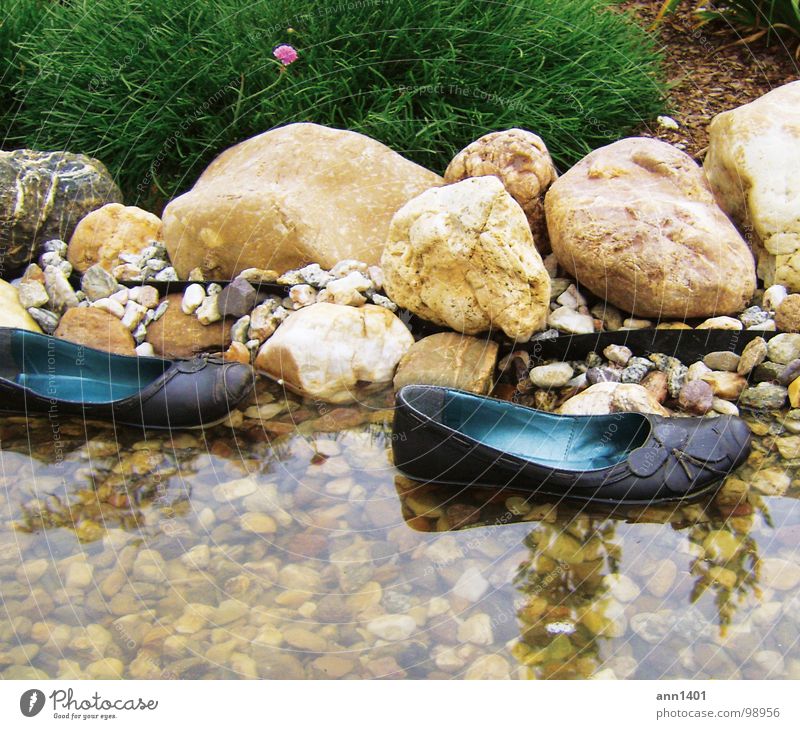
x: 156, y: 88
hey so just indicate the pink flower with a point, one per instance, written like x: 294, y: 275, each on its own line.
x: 285, y: 54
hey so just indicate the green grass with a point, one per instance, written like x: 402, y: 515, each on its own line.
x: 156, y: 88
x: 18, y: 18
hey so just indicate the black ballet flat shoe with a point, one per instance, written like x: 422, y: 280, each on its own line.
x: 449, y: 436
x: 43, y: 375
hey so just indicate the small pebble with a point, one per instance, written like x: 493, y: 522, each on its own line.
x: 192, y: 298
x: 617, y: 354
x: 724, y: 361
x: 552, y: 375
x: 721, y: 322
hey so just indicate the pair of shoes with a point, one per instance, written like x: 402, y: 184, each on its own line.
x: 40, y: 374
x: 450, y: 436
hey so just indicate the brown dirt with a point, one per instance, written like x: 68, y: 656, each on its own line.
x: 710, y: 70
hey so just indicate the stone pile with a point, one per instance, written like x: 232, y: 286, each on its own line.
x: 763, y: 377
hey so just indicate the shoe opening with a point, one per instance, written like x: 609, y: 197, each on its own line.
x: 576, y: 443
x: 62, y: 370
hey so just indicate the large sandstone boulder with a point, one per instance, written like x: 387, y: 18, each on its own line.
x: 449, y: 360
x: 108, y: 231
x: 298, y: 194
x: 637, y: 224
x: 179, y: 336
x: 462, y: 256
x: 97, y: 329
x: 521, y: 161
x: 752, y: 162
x: 12, y: 313
x: 330, y: 351
x: 43, y: 195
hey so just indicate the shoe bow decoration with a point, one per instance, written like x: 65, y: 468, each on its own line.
x: 674, y: 448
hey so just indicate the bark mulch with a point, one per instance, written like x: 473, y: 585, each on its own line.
x: 710, y: 70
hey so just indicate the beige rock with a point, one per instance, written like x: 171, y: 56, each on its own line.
x: 721, y: 322
x: 392, y: 627
x: 476, y: 629
x: 328, y: 351
x: 11, y: 312
x: 449, y: 360
x: 787, y: 315
x: 296, y: 194
x: 520, y: 160
x: 108, y: 231
x: 751, y: 163
x: 463, y: 256
x: 613, y: 397
x: 727, y: 385
x: 96, y: 328
x: 177, y: 334
x: 636, y: 223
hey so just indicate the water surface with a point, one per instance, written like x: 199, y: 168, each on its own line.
x: 289, y: 547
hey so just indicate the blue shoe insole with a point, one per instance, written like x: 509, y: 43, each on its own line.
x: 576, y: 443
x: 77, y: 388
x: 61, y: 370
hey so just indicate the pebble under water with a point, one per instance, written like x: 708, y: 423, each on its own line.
x: 283, y: 544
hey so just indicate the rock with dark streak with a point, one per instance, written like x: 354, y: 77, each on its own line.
x: 43, y: 195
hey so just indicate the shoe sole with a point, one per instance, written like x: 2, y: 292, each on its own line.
x: 693, y: 496
x: 127, y: 424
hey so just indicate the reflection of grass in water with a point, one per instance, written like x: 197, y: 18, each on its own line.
x: 564, y: 591
x: 106, y: 498
x: 728, y: 579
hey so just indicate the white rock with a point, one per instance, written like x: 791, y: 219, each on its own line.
x: 618, y: 354
x: 696, y: 371
x: 568, y: 320
x: 32, y: 294
x: 111, y: 306
x: 392, y: 627
x: 208, y: 311
x: 328, y: 351
x: 721, y: 322
x: 302, y: 295
x: 632, y: 323
x: 571, y: 298
x: 621, y: 587
x: 134, y: 313
x: 192, y: 298
x: 476, y: 629
x: 773, y: 296
x: 667, y: 122
x: 471, y: 585
x: 557, y: 374
x: 752, y: 161
x: 147, y: 296
x: 783, y: 348
x: 121, y: 296
x: 236, y: 489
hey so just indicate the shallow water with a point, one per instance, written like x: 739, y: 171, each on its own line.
x: 288, y: 547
